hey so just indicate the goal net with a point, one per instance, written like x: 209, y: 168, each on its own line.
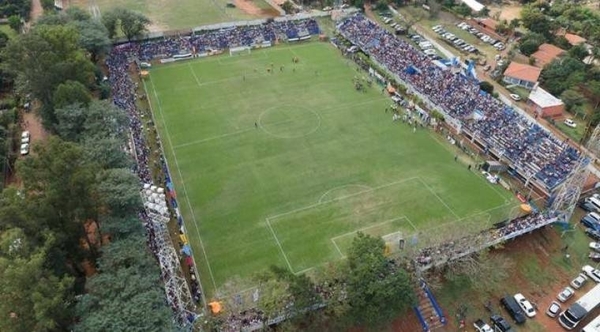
x: 239, y: 50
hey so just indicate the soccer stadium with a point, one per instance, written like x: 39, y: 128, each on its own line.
x: 280, y: 148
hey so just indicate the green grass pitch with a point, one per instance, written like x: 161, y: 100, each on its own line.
x: 284, y: 167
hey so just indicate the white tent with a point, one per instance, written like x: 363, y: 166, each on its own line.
x: 474, y: 5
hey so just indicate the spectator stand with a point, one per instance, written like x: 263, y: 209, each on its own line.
x: 500, y: 128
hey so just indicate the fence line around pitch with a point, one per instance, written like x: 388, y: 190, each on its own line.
x: 176, y: 211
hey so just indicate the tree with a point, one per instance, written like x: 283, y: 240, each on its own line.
x: 535, y: 21
x: 32, y: 298
x: 131, y: 23
x: 106, y: 153
x: 377, y: 289
x: 14, y: 22
x: 47, y: 4
x: 93, y: 38
x: 528, y: 47
x: 486, y: 86
x: 59, y: 182
x: 119, y: 191
x: 288, y: 7
x: 530, y: 43
x: 126, y: 295
x: 562, y: 74
x: 579, y: 52
x: 71, y: 92
x: 104, y: 120
x: 70, y: 121
x: 43, y: 59
x: 462, y: 10
x: 572, y: 98
x: 110, y: 20
x: 562, y: 42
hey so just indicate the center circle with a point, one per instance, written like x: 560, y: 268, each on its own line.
x: 289, y: 121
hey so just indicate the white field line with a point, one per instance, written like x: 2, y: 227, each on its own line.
x: 333, y: 239
x: 218, y: 58
x: 337, y: 248
x: 280, y: 247
x: 447, y: 147
x: 194, y: 74
x: 212, y: 277
x: 275, y: 123
x: 340, y: 187
x: 439, y: 198
x: 342, y: 197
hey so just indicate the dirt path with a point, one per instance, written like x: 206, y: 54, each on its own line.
x: 32, y: 123
x: 36, y: 10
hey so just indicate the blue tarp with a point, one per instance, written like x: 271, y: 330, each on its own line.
x: 187, y: 250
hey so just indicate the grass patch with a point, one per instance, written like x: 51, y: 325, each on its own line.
x: 8, y: 31
x: 576, y: 134
x: 181, y: 14
x: 275, y: 164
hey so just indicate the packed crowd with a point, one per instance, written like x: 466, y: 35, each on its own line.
x: 448, y: 251
x: 531, y: 149
x: 213, y: 40
x: 124, y: 93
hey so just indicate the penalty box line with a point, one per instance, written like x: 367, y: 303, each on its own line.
x: 333, y: 239
x: 276, y: 238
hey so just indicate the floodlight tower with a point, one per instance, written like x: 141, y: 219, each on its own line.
x: 566, y: 197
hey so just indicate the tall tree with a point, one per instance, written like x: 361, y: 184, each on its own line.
x: 44, y: 58
x: 131, y: 23
x: 32, y: 298
x: 119, y: 191
x: 377, y: 290
x: 59, y: 181
x: 126, y: 295
x: 71, y: 92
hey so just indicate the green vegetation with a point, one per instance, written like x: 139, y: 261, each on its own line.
x: 74, y: 208
x: 182, y: 14
x: 275, y: 165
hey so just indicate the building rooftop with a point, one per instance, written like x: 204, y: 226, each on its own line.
x: 543, y: 98
x: 523, y: 72
x: 546, y: 53
x: 488, y: 22
x: 574, y: 39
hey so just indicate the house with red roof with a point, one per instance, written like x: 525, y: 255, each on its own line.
x: 525, y: 76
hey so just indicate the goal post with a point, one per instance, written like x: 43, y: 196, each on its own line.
x: 240, y: 50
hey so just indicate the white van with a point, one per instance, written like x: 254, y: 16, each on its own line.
x: 596, y: 203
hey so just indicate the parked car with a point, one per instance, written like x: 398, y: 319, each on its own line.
x: 500, y: 324
x: 595, y: 256
x: 591, y: 220
x: 525, y: 305
x: 591, y: 272
x: 553, y: 309
x: 514, y: 96
x: 592, y: 233
x: 24, y: 149
x: 579, y: 281
x: 25, y: 136
x: 566, y: 294
x: 430, y: 51
x: 570, y: 123
x: 595, y: 246
x: 514, y: 309
x: 481, y: 326
x: 587, y: 206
